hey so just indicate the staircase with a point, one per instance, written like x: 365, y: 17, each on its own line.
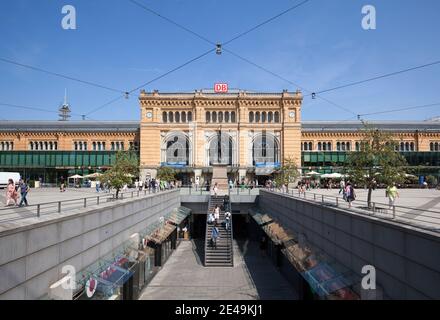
x: 223, y: 255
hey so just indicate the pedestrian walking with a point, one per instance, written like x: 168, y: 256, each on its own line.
x: 350, y: 194
x: 215, y: 189
x: 11, y: 193
x: 341, y: 187
x: 227, y: 220
x: 214, y: 236
x: 216, y: 213
x: 392, y: 194
x: 62, y: 184
x: 24, y: 189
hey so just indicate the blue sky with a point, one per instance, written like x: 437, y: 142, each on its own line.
x: 319, y: 45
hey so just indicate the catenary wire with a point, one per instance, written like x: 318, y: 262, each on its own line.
x: 59, y: 75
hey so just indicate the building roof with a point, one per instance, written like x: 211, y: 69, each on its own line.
x: 68, y: 126
x: 350, y: 126
x: 133, y: 126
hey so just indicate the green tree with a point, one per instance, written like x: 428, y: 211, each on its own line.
x: 376, y: 162
x: 125, y: 167
x: 166, y: 174
x: 288, y: 173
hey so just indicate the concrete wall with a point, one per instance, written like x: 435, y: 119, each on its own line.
x: 407, y: 260
x: 31, y: 257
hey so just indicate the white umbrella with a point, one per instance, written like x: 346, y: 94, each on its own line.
x: 93, y: 175
x: 76, y: 176
x: 313, y: 173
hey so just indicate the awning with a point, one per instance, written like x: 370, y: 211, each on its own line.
x: 325, y: 280
x: 178, y: 215
x: 264, y: 171
x: 162, y: 233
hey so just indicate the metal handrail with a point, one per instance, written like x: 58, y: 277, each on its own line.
x: 83, y: 202
x: 206, y: 231
x: 231, y: 239
x: 375, y: 209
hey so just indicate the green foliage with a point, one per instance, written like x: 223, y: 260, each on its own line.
x: 166, y: 174
x: 376, y: 162
x: 125, y: 167
x: 288, y: 173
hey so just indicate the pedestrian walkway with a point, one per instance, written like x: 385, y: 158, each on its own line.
x: 252, y: 277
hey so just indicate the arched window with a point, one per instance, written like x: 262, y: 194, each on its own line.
x: 221, y: 149
x: 338, y: 146
x: 227, y: 116
x: 190, y: 116
x: 208, y: 116
x: 305, y: 146
x: 319, y: 146
x: 265, y: 149
x: 214, y: 116
x: 324, y: 146
x: 357, y: 146
x: 329, y: 146
x: 257, y: 116
x: 46, y: 145
x: 411, y: 146
x: 270, y: 117
x: 183, y: 116
x: 251, y: 116
x: 94, y: 144
x: 177, y: 149
x: 263, y: 117
x: 348, y: 146
x: 170, y: 117
x: 220, y: 116
x: 177, y: 116
x: 310, y: 146
x: 277, y: 116
x: 407, y: 146
x: 233, y: 117
x: 343, y: 146
x: 402, y: 146
x: 164, y: 117
x: 431, y: 146
x: 436, y: 146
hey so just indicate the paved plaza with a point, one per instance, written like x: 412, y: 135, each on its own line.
x: 72, y: 198
x: 252, y: 277
x: 417, y: 207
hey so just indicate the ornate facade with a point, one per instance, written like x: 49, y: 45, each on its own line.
x: 240, y: 130
x: 248, y: 133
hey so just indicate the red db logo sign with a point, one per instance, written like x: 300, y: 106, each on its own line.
x: 220, y: 87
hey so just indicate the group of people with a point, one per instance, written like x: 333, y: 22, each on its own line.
x: 214, y: 219
x: 13, y: 190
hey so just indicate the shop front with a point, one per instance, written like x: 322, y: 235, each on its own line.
x: 314, y: 274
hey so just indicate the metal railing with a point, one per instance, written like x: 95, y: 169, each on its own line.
x: 14, y: 213
x: 416, y: 217
x: 192, y: 190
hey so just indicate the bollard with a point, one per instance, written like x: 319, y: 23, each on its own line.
x: 132, y: 194
x: 322, y: 198
x: 314, y: 196
x: 374, y: 207
x: 85, y: 202
x: 38, y: 210
x: 97, y: 200
x: 394, y: 212
x: 337, y: 203
x: 59, y: 206
x: 138, y: 193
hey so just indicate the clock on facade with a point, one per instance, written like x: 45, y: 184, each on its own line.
x: 149, y: 114
x: 292, y: 114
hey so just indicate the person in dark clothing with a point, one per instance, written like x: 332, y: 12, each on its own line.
x: 24, y: 189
